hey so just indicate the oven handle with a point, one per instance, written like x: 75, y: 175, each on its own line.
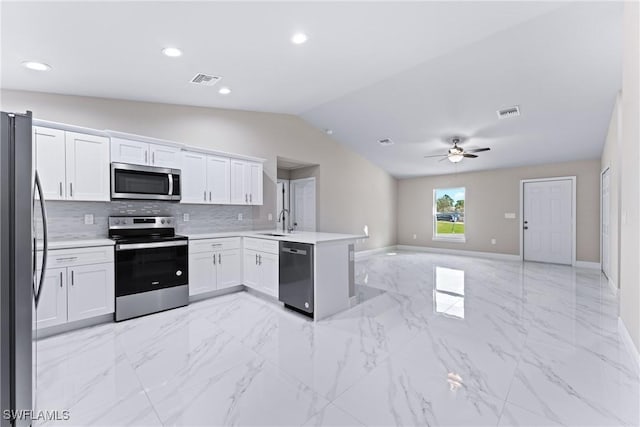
x: 170, y: 184
x: 133, y: 246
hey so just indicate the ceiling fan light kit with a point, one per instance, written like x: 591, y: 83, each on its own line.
x: 455, y: 154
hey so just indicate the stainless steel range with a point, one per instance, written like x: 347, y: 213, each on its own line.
x: 152, y: 265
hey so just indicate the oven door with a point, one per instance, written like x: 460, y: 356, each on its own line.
x: 144, y: 182
x: 147, y: 267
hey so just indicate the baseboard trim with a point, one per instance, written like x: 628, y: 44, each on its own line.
x: 477, y: 254
x: 612, y: 286
x: 588, y: 264
x: 628, y: 342
x: 72, y: 326
x: 365, y: 254
x: 216, y: 293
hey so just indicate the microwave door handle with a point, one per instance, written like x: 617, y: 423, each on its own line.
x: 170, y: 184
x: 45, y: 242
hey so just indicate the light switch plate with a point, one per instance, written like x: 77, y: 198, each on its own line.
x: 186, y: 217
x: 270, y: 217
x: 493, y: 241
x: 240, y: 217
x: 510, y: 215
x: 88, y: 219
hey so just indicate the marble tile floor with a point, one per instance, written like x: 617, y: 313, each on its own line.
x: 433, y: 340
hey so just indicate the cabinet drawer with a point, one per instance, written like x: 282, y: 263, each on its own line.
x: 212, y: 245
x: 262, y: 245
x: 79, y: 256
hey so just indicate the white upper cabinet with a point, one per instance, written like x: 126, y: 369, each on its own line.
x: 71, y: 165
x: 194, y: 178
x: 87, y: 167
x: 246, y: 182
x: 144, y: 153
x: 49, y: 146
x: 127, y: 151
x: 218, y: 177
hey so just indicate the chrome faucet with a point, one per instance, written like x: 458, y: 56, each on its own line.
x: 283, y: 215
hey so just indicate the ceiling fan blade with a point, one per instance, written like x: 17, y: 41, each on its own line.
x: 477, y: 150
x: 471, y: 156
x: 436, y: 155
x: 443, y: 159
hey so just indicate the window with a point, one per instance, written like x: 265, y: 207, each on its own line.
x: 448, y: 214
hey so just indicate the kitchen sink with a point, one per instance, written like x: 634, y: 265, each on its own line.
x: 272, y: 234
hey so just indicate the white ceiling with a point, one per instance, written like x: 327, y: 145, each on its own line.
x: 410, y: 71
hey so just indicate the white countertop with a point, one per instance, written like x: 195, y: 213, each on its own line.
x: 76, y: 243
x: 313, y: 238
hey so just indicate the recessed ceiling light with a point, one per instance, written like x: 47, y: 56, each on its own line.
x: 224, y: 91
x: 299, y: 38
x: 37, y: 66
x: 172, y: 52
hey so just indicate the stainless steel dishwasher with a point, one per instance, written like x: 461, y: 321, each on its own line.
x: 296, y: 277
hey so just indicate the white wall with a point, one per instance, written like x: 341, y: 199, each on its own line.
x: 351, y: 192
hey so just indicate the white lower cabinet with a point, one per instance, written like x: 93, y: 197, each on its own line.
x: 261, y: 271
x: 76, y: 292
x: 214, y: 264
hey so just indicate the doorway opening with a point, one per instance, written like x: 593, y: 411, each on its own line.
x: 296, y: 195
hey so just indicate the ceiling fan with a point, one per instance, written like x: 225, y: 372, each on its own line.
x: 456, y: 154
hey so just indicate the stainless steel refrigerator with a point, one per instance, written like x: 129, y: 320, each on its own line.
x: 20, y: 278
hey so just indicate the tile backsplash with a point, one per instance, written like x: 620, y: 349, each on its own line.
x: 66, y: 219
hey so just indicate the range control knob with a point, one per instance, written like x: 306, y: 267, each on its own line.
x: 162, y: 221
x: 169, y: 221
x: 116, y: 221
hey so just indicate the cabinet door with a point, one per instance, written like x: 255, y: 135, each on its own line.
x: 250, y: 269
x: 52, y: 306
x: 238, y: 194
x: 165, y: 156
x: 194, y: 178
x: 50, y: 161
x: 255, y: 187
x: 269, y: 279
x: 229, y: 268
x: 218, y: 177
x: 90, y: 291
x: 202, y: 273
x: 127, y: 151
x: 87, y: 159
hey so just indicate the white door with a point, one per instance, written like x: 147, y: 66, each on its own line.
x: 202, y: 273
x: 251, y: 277
x: 606, y: 213
x: 269, y: 279
x: 303, y: 204
x: 52, y: 306
x: 165, y: 156
x: 90, y: 291
x: 255, y: 183
x: 88, y: 168
x: 127, y: 151
x: 548, y: 221
x: 218, y: 177
x: 194, y: 178
x: 50, y: 161
x: 238, y: 194
x: 229, y: 268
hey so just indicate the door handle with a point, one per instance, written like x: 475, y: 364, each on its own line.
x: 45, y: 243
x: 525, y: 228
x: 219, y: 258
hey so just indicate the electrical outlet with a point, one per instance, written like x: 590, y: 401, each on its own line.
x: 493, y: 241
x: 240, y: 217
x: 509, y: 215
x: 88, y: 219
x: 270, y: 217
x: 415, y: 236
x: 186, y: 217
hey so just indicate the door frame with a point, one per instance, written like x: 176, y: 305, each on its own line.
x: 573, y: 212
x: 315, y: 194
x: 605, y: 170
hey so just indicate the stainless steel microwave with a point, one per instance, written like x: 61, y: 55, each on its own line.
x: 137, y: 182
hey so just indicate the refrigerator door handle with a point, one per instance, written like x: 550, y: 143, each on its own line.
x: 45, y: 244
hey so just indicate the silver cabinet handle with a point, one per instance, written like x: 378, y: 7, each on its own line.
x: 68, y: 258
x: 153, y: 158
x: 61, y: 279
x: 259, y: 259
x: 60, y: 189
x: 246, y: 198
x: 71, y: 189
x: 72, y: 279
x: 145, y: 156
x: 214, y: 259
x: 219, y: 258
x: 209, y: 195
x: 256, y: 259
x: 205, y: 195
x: 250, y: 198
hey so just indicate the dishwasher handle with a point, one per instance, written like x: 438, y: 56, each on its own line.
x: 294, y: 251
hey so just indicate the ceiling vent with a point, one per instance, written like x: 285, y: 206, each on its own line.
x: 385, y: 141
x: 205, y: 79
x: 506, y: 113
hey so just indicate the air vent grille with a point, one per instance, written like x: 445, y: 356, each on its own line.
x: 506, y: 113
x: 205, y: 79
x: 385, y: 141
